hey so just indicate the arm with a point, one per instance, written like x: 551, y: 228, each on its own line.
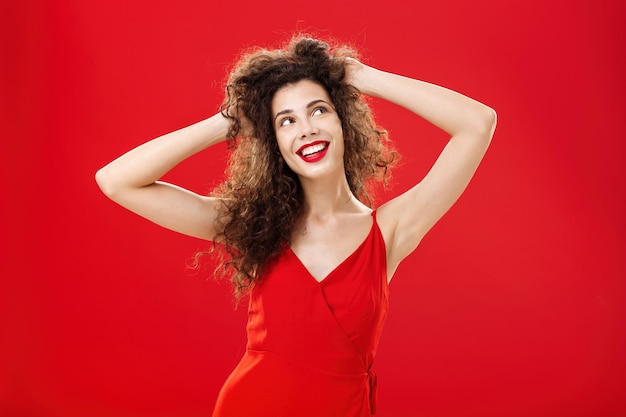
x: 132, y: 179
x: 407, y: 218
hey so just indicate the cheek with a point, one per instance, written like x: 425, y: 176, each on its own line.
x: 283, y: 146
x: 341, y: 138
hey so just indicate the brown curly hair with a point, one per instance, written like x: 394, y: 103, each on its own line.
x: 262, y: 197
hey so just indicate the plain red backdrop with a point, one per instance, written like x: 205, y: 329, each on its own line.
x: 513, y: 305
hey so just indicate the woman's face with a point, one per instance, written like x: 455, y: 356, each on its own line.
x: 308, y: 130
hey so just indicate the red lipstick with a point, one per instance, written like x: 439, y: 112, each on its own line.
x: 314, y: 151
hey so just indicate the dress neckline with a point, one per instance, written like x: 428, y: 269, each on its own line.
x: 343, y: 262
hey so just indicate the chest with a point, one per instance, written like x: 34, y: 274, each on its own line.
x: 322, y: 249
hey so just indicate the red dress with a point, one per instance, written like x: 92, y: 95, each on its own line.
x: 311, y: 344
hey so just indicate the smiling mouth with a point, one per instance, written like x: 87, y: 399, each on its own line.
x: 314, y: 151
x: 310, y: 150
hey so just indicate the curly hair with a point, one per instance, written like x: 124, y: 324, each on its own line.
x: 262, y: 197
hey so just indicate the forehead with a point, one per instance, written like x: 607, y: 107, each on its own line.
x: 297, y: 95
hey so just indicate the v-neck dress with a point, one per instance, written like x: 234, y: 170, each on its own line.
x: 311, y: 344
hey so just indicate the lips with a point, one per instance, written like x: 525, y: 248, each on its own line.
x: 314, y: 151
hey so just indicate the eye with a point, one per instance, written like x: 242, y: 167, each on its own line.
x: 319, y: 110
x: 286, y: 121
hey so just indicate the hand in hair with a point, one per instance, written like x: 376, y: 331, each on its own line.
x: 354, y: 71
x: 236, y: 116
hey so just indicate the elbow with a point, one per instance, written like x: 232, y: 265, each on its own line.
x: 479, y: 122
x: 486, y: 123
x: 491, y: 120
x: 103, y: 179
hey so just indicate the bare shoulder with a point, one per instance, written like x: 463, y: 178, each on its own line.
x: 401, y: 229
x: 388, y: 221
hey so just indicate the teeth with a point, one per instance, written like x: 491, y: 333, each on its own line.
x: 313, y: 149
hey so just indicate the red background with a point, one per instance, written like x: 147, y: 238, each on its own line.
x: 513, y: 305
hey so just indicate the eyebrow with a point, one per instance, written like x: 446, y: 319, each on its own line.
x: 308, y: 106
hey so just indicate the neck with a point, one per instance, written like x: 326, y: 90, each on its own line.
x: 324, y: 199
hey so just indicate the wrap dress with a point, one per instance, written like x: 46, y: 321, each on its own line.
x: 311, y: 344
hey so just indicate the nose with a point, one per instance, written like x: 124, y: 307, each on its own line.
x: 307, y: 129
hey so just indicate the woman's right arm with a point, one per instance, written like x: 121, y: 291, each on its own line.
x: 132, y: 179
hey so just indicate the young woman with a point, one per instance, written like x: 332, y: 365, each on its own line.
x: 294, y: 216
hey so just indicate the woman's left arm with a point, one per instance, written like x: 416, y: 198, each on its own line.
x: 407, y: 218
